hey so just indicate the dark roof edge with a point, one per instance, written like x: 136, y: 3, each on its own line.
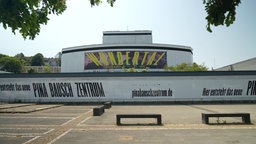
x: 141, y: 32
x: 126, y: 46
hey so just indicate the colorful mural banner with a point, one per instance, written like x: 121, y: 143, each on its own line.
x: 125, y: 59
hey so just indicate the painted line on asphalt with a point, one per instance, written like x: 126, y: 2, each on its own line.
x: 57, y: 138
x: 31, y: 140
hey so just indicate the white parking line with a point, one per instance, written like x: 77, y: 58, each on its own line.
x: 60, y: 136
x: 31, y: 140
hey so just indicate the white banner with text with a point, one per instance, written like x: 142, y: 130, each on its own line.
x: 121, y: 89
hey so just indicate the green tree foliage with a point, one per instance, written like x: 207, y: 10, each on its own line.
x: 37, y: 60
x: 27, y: 16
x: 220, y: 12
x: 24, y: 60
x: 187, y: 67
x: 97, y: 2
x: 31, y: 71
x: 135, y: 70
x: 2, y: 55
x: 20, y: 56
x: 10, y: 64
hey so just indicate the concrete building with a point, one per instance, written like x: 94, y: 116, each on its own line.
x: 249, y: 64
x: 123, y: 50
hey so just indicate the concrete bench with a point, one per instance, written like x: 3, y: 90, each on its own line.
x: 98, y: 111
x: 245, y: 116
x: 107, y: 105
x: 157, y: 116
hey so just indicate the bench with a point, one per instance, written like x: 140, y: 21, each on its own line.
x: 107, y: 105
x: 157, y: 116
x: 245, y: 116
x: 98, y: 111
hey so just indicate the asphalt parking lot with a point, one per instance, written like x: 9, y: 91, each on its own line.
x: 61, y: 124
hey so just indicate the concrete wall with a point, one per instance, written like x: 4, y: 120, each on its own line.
x: 129, y: 87
x: 127, y: 37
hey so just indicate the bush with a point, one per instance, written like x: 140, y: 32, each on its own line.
x: 10, y: 64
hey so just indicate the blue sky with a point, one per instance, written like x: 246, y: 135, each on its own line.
x: 175, y: 22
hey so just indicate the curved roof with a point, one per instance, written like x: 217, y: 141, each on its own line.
x: 127, y: 46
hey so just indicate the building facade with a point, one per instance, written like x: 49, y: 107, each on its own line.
x: 246, y: 65
x: 122, y: 50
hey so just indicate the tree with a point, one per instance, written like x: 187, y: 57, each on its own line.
x: 187, y: 67
x: 10, y: 64
x: 2, y: 55
x: 20, y: 56
x: 37, y: 60
x: 27, y: 16
x: 97, y: 2
x: 24, y: 60
x: 220, y: 12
